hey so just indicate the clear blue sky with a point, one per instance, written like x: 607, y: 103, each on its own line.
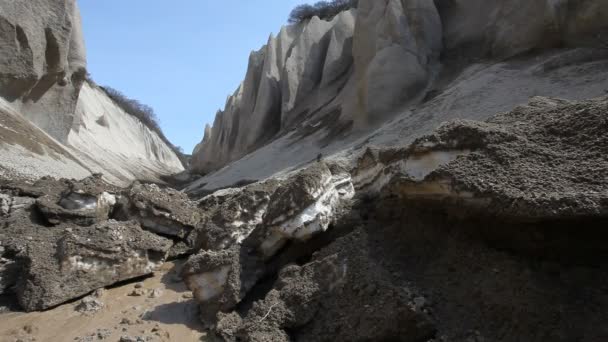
x: 182, y: 57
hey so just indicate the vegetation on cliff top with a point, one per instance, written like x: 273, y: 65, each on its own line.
x: 323, y: 9
x: 145, y: 114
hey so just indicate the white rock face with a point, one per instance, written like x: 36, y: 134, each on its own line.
x: 27, y: 151
x: 395, y: 45
x: 112, y: 142
x: 47, y: 125
x: 287, y: 80
x: 43, y: 61
x: 421, y: 61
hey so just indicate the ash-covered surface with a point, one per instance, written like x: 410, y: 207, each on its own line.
x: 481, y: 231
x: 544, y: 160
x: 58, y: 241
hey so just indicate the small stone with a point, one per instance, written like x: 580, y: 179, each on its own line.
x: 419, y: 303
x: 126, y: 321
x: 155, y: 293
x: 99, y: 293
x: 188, y: 295
x: 126, y: 338
x: 102, y: 334
x: 139, y: 285
x: 137, y: 293
x: 89, y: 305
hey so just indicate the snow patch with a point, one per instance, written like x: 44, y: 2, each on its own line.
x: 76, y: 201
x: 314, y: 218
x: 418, y: 167
x: 106, y: 200
x: 210, y: 284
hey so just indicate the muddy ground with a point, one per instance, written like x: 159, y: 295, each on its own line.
x: 172, y: 316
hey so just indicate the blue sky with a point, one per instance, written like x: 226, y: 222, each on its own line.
x: 183, y: 57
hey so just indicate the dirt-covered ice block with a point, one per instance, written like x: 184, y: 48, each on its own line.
x: 83, y: 259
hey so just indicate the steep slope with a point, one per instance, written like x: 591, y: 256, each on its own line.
x: 298, y: 73
x: 53, y: 122
x: 26, y: 151
x: 115, y: 143
x: 43, y: 61
x: 412, y: 65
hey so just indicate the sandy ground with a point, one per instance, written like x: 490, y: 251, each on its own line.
x: 172, y: 316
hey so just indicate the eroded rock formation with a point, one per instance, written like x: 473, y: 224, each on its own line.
x: 500, y: 221
x: 394, y: 56
x: 288, y: 80
x: 53, y: 122
x: 43, y: 61
x: 435, y: 231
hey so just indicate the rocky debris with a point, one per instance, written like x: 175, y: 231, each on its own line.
x: 162, y: 211
x: 230, y: 215
x: 9, y: 269
x: 542, y: 161
x: 137, y: 293
x: 339, y: 295
x: 301, y: 207
x: 10, y: 204
x: 219, y: 280
x: 69, y: 262
x: 155, y: 293
x: 127, y: 338
x: 428, y: 223
x: 99, y: 335
x: 89, y: 305
x: 83, y: 202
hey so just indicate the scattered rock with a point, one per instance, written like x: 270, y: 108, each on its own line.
x: 155, y: 293
x: 138, y: 292
x: 89, y: 305
x: 127, y: 338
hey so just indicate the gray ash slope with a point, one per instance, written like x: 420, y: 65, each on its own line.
x: 465, y: 235
x: 425, y: 225
x: 480, y: 231
x: 53, y: 121
x: 404, y: 68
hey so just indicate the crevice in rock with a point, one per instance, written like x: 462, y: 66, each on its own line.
x: 24, y: 44
x: 52, y: 52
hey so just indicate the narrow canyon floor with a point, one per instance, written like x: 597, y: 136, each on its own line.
x: 170, y: 316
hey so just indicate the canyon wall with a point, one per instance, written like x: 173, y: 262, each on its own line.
x: 43, y: 61
x: 368, y: 65
x: 300, y: 71
x: 52, y: 122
